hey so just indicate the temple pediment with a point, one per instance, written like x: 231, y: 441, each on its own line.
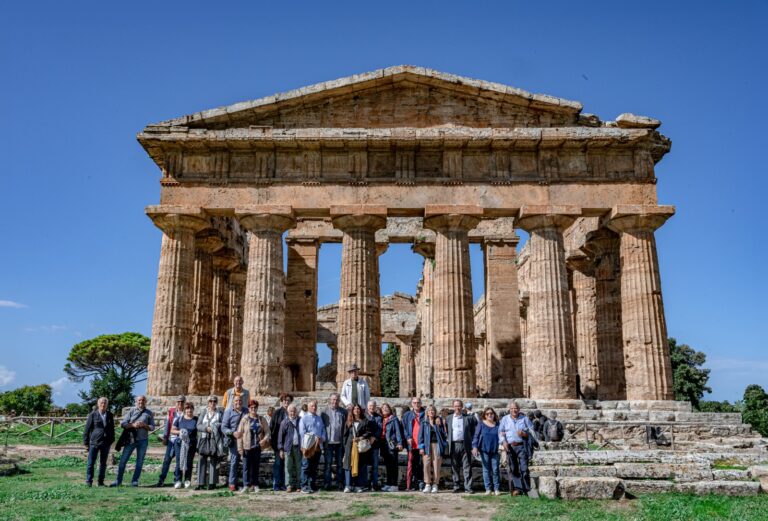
x: 403, y: 96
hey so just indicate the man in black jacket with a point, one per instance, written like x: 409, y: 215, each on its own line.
x: 278, y: 467
x: 98, y: 436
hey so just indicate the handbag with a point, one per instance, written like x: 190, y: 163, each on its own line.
x: 363, y: 445
x: 207, y: 446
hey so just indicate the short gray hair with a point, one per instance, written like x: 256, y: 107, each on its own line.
x: 103, y: 399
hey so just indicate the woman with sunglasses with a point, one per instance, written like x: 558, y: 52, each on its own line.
x: 486, y: 444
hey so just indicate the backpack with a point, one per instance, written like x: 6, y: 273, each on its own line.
x: 554, y: 430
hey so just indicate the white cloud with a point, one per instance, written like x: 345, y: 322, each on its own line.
x: 59, y: 385
x: 6, y: 376
x: 47, y: 329
x: 11, y: 304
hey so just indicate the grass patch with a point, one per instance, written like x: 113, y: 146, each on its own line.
x: 728, y: 464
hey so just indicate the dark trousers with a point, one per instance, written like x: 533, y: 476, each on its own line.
x: 362, y: 476
x: 374, y: 482
x: 102, y: 451
x: 184, y: 474
x: 309, y: 471
x: 170, y: 453
x: 461, y: 459
x: 517, y: 469
x: 334, y: 452
x: 390, y: 462
x: 251, y: 463
x: 278, y: 471
x: 414, y: 474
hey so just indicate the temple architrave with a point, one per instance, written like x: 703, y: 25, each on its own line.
x: 410, y: 155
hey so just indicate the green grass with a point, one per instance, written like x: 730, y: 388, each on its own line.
x: 52, y: 489
x: 11, y: 434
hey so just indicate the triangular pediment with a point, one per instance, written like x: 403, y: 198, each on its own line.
x: 403, y: 96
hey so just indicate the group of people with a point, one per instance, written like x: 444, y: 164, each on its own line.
x: 353, y: 434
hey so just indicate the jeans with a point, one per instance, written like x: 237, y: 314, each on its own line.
x: 333, y: 455
x: 278, y: 472
x: 170, y: 453
x: 102, y: 452
x: 251, y: 463
x: 359, y: 480
x: 309, y: 472
x: 461, y: 459
x: 141, y: 450
x: 234, y: 461
x: 491, y: 477
x: 517, y: 469
x: 414, y: 473
x: 292, y: 467
x: 186, y: 473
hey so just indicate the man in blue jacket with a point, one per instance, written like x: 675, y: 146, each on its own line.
x: 411, y: 420
x: 229, y: 425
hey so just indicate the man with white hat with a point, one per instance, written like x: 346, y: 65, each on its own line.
x: 355, y: 389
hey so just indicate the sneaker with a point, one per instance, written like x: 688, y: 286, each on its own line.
x: 177, y: 485
x: 347, y: 490
x: 487, y: 492
x: 427, y: 489
x: 232, y: 488
x: 187, y: 484
x: 497, y: 493
x: 135, y: 484
x: 434, y: 489
x: 254, y: 489
x: 245, y: 490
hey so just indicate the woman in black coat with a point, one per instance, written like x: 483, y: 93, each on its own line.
x: 357, y: 427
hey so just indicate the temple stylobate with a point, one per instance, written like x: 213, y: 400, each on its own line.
x: 411, y: 155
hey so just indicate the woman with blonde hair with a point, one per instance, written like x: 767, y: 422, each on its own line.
x: 432, y: 446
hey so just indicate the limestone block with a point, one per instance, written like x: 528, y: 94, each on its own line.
x: 609, y: 457
x: 628, y: 120
x: 643, y: 487
x: 661, y: 416
x: 597, y: 471
x: 723, y: 488
x: 543, y: 471
x: 555, y: 457
x: 590, y: 488
x: 730, y: 475
x: 760, y: 472
x: 689, y: 472
x: 547, y: 487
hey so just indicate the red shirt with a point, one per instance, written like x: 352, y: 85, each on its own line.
x: 415, y: 430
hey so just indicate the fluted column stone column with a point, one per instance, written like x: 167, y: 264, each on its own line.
x: 603, y: 246
x: 550, y: 353
x: 644, y: 329
x: 201, y: 350
x: 407, y: 366
x: 585, y: 322
x: 168, y: 368
x: 264, y: 318
x: 236, y: 297
x: 359, y: 330
x: 502, y: 317
x: 300, y: 357
x: 424, y: 358
x: 223, y: 261
x: 453, y: 319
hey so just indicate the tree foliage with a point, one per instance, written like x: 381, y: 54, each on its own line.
x: 127, y: 354
x: 755, y: 408
x: 715, y: 406
x: 690, y: 378
x: 30, y: 399
x: 116, y: 388
x: 390, y: 372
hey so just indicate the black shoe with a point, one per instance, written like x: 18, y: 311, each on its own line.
x: 88, y: 484
x: 211, y: 487
x: 159, y: 484
x: 115, y: 484
x: 470, y: 491
x: 101, y: 484
x: 457, y: 491
x: 199, y: 487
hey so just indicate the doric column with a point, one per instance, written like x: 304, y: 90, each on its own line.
x: 201, y: 350
x: 424, y: 358
x: 407, y: 366
x: 223, y: 261
x: 359, y: 335
x: 550, y: 354
x: 603, y: 246
x: 453, y: 320
x: 264, y: 318
x: 502, y: 317
x: 644, y: 329
x: 236, y: 311
x: 168, y: 370
x: 300, y: 357
x: 585, y: 322
x: 523, y: 335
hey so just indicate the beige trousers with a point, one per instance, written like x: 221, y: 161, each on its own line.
x: 432, y: 463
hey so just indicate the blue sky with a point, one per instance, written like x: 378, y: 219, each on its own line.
x: 79, y: 80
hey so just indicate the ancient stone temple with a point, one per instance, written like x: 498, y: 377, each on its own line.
x: 410, y: 155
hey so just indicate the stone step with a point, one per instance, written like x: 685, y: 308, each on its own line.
x: 570, y: 488
x: 700, y: 488
x: 610, y: 457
